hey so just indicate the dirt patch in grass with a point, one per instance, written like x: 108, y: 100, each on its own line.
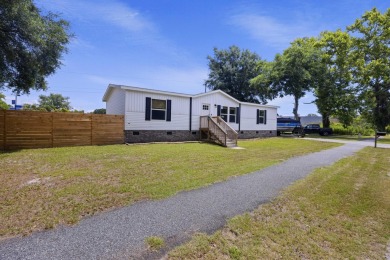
x: 338, y: 212
x: 42, y: 188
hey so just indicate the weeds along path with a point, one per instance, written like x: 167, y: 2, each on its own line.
x: 121, y: 233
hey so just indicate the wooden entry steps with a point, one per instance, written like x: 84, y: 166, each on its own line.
x: 216, y: 130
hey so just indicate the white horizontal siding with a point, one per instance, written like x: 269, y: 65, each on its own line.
x: 249, y: 114
x: 135, y: 112
x: 115, y: 104
x: 214, y: 100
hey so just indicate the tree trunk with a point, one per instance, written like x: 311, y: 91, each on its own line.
x: 381, y: 112
x: 295, y: 109
x: 325, y: 120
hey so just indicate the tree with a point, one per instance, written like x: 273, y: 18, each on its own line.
x: 99, y: 111
x: 264, y: 81
x: 3, y: 105
x: 31, y: 45
x: 231, y: 71
x: 335, y: 95
x: 371, y: 65
x: 289, y: 73
x: 51, y: 103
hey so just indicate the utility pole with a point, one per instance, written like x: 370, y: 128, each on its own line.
x: 16, y: 99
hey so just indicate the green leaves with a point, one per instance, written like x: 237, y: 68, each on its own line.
x: 31, y: 45
x: 289, y: 74
x: 231, y: 70
x: 370, y: 61
x: 3, y: 104
x: 51, y: 103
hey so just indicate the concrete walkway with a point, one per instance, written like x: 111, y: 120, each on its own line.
x: 120, y: 234
x: 364, y: 142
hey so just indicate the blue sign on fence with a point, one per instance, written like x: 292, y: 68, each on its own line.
x: 13, y: 101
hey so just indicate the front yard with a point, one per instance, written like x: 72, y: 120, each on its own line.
x: 42, y: 188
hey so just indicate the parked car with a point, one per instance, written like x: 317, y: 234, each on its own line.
x: 288, y: 125
x: 316, y: 129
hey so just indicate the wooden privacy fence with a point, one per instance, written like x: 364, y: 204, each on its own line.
x: 31, y: 129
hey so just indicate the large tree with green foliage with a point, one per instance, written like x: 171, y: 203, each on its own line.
x: 290, y: 73
x: 335, y: 95
x: 51, y: 103
x: 31, y: 45
x: 231, y: 71
x: 371, y: 65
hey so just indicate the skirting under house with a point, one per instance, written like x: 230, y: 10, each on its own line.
x: 147, y: 136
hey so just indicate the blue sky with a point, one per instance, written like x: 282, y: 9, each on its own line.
x: 163, y: 44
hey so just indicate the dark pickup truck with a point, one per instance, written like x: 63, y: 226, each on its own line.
x: 316, y: 129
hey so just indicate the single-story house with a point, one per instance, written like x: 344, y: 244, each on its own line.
x: 155, y: 115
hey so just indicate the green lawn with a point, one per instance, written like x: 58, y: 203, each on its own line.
x: 338, y: 212
x: 41, y: 188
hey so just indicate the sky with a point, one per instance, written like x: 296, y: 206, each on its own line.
x: 164, y: 44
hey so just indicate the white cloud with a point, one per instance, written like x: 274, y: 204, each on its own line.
x: 91, y: 12
x: 123, y: 16
x: 110, y: 19
x: 270, y: 31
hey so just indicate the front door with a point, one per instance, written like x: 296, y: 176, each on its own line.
x: 205, y: 110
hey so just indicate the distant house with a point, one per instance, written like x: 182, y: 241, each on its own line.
x: 155, y: 116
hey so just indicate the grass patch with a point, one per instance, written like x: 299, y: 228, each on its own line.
x: 155, y: 243
x: 338, y: 212
x: 42, y: 188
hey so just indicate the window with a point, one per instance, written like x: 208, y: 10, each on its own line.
x: 224, y: 113
x: 232, y: 114
x: 159, y: 108
x: 205, y: 107
x: 262, y: 117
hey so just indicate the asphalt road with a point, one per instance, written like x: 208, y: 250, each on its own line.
x: 120, y: 234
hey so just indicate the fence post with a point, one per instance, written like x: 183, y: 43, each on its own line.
x: 52, y: 129
x: 4, y: 129
x: 91, y: 129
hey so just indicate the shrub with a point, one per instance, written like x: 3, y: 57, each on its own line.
x: 359, y: 125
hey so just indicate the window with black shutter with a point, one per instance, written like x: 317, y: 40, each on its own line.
x: 169, y: 102
x: 147, y: 108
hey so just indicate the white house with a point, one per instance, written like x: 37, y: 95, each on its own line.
x: 154, y: 115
